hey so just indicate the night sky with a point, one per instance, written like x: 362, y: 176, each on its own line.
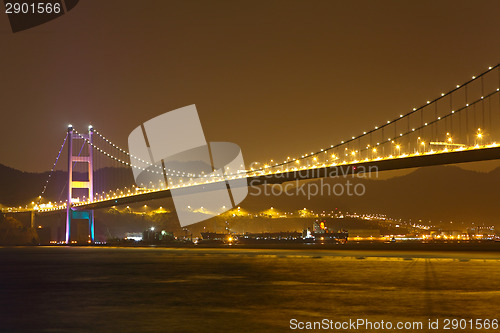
x: 278, y: 78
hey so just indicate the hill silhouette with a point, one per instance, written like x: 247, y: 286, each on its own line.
x: 441, y: 193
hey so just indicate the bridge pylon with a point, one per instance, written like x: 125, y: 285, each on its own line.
x: 79, y: 184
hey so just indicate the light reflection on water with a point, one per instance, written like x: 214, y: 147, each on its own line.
x: 62, y: 289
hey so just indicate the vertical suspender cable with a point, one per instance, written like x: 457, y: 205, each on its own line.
x: 422, y: 122
x: 451, y: 117
x: 474, y: 123
x: 436, y: 123
x: 489, y: 115
x: 482, y: 100
x: 466, y: 116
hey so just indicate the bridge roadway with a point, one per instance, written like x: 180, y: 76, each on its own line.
x: 410, y: 161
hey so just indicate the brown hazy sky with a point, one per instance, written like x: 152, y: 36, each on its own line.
x: 279, y: 78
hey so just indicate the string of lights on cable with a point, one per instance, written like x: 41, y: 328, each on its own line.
x: 52, y: 170
x: 172, y: 173
x: 382, y: 126
x: 175, y: 172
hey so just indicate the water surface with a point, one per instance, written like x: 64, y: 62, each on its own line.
x: 90, y: 289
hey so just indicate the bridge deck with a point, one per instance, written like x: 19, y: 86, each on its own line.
x: 412, y: 161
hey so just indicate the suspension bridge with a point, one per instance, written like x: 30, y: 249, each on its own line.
x: 459, y: 125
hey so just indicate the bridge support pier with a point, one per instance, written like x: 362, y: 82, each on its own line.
x: 32, y: 219
x: 80, y: 215
x: 72, y: 184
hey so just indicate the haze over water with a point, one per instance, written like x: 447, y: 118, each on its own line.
x: 89, y: 289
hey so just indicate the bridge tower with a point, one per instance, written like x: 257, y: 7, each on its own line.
x: 72, y: 184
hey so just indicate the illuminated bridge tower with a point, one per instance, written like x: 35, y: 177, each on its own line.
x: 86, y: 185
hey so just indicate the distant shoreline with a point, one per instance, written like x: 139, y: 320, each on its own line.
x: 477, y: 246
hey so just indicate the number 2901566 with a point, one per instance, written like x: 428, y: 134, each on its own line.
x: 32, y: 8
